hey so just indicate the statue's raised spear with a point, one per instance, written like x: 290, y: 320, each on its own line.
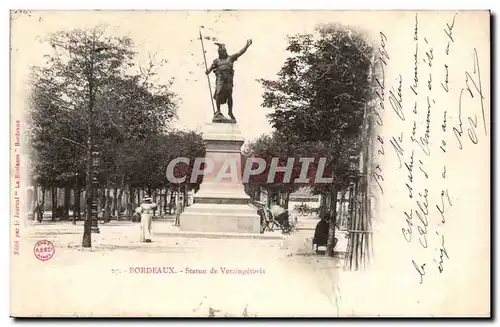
x: 206, y: 69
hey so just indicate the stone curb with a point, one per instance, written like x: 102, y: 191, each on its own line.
x: 221, y: 235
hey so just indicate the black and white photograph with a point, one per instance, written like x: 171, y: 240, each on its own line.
x: 250, y: 164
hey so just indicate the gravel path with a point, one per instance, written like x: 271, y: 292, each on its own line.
x: 253, y: 277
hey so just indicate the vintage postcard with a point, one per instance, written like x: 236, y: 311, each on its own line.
x: 250, y: 164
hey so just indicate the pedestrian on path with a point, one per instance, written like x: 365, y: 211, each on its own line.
x: 38, y: 212
x: 146, y: 211
x: 179, y: 207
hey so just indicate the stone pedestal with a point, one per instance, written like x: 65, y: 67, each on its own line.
x: 221, y: 204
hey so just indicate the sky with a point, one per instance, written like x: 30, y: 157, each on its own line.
x: 173, y: 36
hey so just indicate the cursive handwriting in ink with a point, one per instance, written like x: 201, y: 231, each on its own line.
x: 449, y: 32
x: 379, y: 72
x: 444, y: 196
x: 396, y: 145
x: 396, y: 100
x: 413, y: 132
x: 378, y: 177
x: 422, y: 212
x: 420, y: 270
x: 429, y: 54
x: 381, y: 141
x: 444, y: 172
x: 443, y: 126
x: 414, y: 86
x: 424, y: 145
x: 379, y: 92
x: 459, y: 131
x: 384, y: 55
x: 379, y: 69
x: 471, y: 131
x: 415, y: 32
x: 442, y: 146
x: 410, y: 190
x: 409, y: 230
x: 423, y: 142
x: 445, y: 85
x: 409, y: 167
x: 442, y: 254
x: 428, y: 119
x: 422, y: 169
x: 477, y: 84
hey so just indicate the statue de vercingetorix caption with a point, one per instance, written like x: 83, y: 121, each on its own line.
x: 224, y: 72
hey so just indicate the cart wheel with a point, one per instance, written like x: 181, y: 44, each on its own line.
x: 286, y: 229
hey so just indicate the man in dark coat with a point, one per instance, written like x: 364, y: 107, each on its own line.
x: 321, y: 234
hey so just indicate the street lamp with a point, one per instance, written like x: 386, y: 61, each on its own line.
x: 92, y: 165
x: 76, y: 207
x: 95, y: 186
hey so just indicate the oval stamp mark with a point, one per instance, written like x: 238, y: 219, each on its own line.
x: 44, y: 250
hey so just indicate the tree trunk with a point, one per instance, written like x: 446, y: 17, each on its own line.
x: 269, y: 196
x: 130, y: 204
x: 340, y: 213
x: 115, y: 201
x: 322, y: 205
x: 120, y: 197
x: 287, y: 199
x: 35, y: 201
x: 160, y: 206
x: 67, y: 202
x: 165, y: 201
x: 153, y: 195
x: 103, y: 201
x: 332, y: 219
x: 43, y: 198
x: 184, y: 205
x: 76, y: 209
x: 171, y: 203
x: 54, y: 202
x: 107, y: 205
x: 35, y: 197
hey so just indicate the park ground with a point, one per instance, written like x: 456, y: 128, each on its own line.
x: 293, y: 281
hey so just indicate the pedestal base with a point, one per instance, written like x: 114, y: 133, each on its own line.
x: 221, y: 205
x: 221, y: 218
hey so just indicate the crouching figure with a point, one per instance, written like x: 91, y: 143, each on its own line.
x: 321, y: 236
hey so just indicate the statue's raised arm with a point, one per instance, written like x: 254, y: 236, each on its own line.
x: 236, y: 55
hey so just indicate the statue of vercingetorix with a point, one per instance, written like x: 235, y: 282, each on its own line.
x: 224, y: 72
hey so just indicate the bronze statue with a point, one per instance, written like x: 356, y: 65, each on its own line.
x: 224, y: 72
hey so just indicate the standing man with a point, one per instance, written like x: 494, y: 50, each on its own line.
x: 179, y: 207
x: 38, y: 212
x: 146, y: 210
x: 224, y: 72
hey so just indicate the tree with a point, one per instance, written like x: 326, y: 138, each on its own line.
x: 268, y: 147
x: 88, y: 94
x: 319, y: 98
